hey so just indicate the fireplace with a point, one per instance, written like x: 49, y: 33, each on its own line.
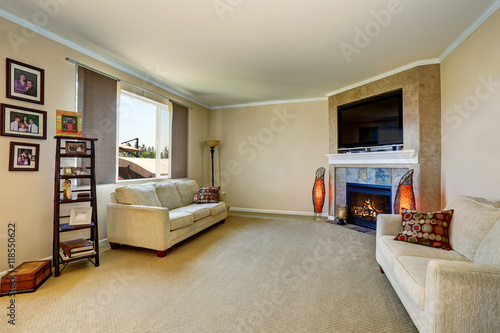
x: 365, y: 202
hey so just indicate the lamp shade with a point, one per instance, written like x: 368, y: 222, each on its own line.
x: 212, y: 143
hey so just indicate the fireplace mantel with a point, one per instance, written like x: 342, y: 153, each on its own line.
x: 399, y: 157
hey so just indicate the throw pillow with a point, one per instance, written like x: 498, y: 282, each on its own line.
x: 429, y: 229
x: 207, y: 195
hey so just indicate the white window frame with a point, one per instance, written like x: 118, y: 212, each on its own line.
x: 159, y: 108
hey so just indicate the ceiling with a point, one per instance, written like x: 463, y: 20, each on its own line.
x: 233, y: 52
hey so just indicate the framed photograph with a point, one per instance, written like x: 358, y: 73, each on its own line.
x: 80, y: 216
x: 68, y: 123
x: 23, y: 122
x: 67, y: 170
x: 25, y: 82
x: 76, y: 147
x: 79, y: 171
x: 23, y: 156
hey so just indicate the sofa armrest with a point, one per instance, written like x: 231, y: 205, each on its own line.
x: 222, y: 196
x: 462, y: 297
x: 136, y: 225
x: 388, y: 224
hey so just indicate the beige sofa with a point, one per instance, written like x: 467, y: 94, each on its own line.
x: 159, y: 215
x: 448, y: 291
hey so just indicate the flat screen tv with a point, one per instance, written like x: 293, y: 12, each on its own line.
x: 371, y: 122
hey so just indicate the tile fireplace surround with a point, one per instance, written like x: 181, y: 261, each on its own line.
x: 362, y: 168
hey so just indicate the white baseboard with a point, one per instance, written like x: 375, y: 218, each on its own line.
x: 270, y: 211
x: 103, y: 244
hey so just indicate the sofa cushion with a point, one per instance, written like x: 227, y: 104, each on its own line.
x: 206, y: 195
x: 186, y: 189
x: 179, y: 219
x: 410, y: 274
x: 473, y: 218
x: 197, y: 211
x: 429, y: 229
x: 168, y: 195
x: 215, y: 208
x: 144, y: 194
x: 393, y: 248
x: 488, y: 251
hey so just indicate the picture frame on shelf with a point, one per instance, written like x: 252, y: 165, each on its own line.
x: 23, y: 156
x: 68, y: 123
x: 66, y: 171
x: 23, y: 122
x: 76, y: 147
x: 79, y: 171
x: 80, y: 216
x: 25, y: 82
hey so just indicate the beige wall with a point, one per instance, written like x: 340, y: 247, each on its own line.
x: 269, y: 154
x: 470, y: 115
x: 26, y: 198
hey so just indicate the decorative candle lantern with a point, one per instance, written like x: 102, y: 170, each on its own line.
x: 342, y: 214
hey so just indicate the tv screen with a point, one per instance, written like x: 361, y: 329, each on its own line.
x: 375, y: 121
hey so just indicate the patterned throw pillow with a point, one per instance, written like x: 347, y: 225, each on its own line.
x: 429, y: 229
x: 207, y: 195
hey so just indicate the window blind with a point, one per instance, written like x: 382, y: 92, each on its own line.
x: 179, y: 154
x: 97, y: 101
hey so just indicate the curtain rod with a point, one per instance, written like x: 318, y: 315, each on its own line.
x: 125, y: 82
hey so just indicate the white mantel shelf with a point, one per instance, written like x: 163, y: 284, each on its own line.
x: 404, y: 157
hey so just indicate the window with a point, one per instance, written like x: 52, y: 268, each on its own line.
x: 143, y: 137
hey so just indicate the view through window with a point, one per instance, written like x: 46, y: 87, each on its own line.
x: 144, y: 138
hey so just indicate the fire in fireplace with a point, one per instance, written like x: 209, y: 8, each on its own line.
x: 365, y: 202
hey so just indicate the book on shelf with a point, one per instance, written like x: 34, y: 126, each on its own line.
x: 65, y: 256
x: 76, y: 246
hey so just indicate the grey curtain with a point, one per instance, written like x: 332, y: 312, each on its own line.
x: 97, y: 101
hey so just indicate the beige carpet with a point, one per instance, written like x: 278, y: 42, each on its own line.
x: 251, y: 274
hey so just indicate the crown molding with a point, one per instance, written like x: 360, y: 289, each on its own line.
x: 386, y: 74
x: 285, y: 101
x: 470, y: 29
x: 46, y: 33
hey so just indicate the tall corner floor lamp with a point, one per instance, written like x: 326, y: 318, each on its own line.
x: 318, y: 193
x: 212, y: 144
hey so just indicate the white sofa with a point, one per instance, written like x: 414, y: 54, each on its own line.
x: 448, y: 291
x: 159, y: 215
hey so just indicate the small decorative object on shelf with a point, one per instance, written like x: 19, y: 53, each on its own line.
x: 81, y: 218
x: 68, y: 123
x: 66, y: 185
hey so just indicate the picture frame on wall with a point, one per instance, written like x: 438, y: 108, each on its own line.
x: 23, y: 122
x: 24, y: 156
x: 68, y: 123
x: 76, y: 147
x: 25, y: 82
